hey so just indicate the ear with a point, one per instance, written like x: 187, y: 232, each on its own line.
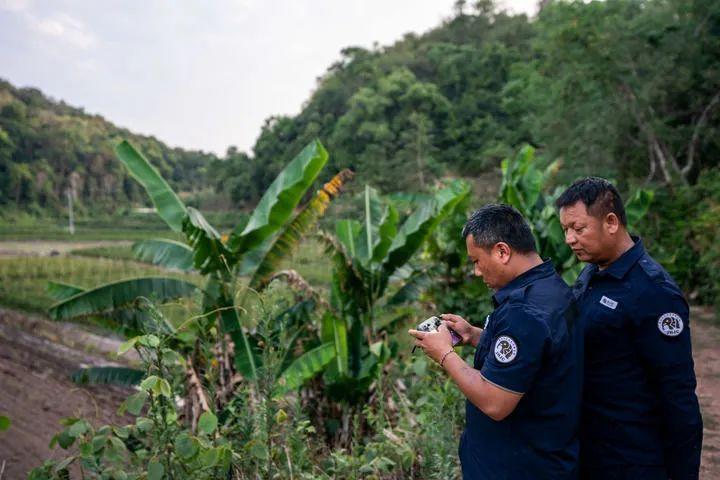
x: 503, y: 252
x: 612, y: 223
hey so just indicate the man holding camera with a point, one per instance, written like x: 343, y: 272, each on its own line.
x: 524, y: 387
x: 640, y: 414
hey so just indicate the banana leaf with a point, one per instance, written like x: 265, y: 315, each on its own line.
x: 209, y: 252
x: 293, y: 233
x: 638, y: 205
x: 305, y: 367
x: 107, y: 376
x: 164, y: 253
x: 118, y: 295
x: 379, y: 228
x: 347, y: 232
x: 421, y: 222
x: 411, y: 289
x: 168, y: 204
x: 333, y: 329
x: 60, y: 291
x: 280, y: 199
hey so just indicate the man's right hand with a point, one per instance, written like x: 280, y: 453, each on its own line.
x: 469, y: 334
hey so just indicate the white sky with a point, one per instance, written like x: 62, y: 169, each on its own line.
x: 196, y: 74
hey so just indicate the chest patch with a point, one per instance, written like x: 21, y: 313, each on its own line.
x: 609, y: 302
x: 505, y: 349
x: 670, y: 324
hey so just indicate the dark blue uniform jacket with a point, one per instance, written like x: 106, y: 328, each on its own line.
x: 639, y: 403
x: 532, y: 344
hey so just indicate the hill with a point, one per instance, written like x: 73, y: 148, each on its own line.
x: 627, y: 89
x: 48, y: 147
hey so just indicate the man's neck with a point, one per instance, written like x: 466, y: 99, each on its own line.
x: 527, y: 262
x: 624, y: 244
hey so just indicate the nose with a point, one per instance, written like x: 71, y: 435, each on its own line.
x: 477, y: 271
x: 570, y: 237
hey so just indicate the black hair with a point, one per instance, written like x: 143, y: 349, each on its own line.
x: 495, y: 223
x: 599, y: 196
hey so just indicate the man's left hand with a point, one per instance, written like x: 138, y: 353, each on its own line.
x: 434, y: 344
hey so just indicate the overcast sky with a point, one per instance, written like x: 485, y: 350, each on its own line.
x: 196, y: 74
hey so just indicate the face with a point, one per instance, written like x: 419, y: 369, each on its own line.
x: 490, y: 264
x: 590, y: 238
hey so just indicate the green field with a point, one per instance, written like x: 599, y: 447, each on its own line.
x: 23, y: 280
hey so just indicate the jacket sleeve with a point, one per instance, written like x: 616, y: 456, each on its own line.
x: 662, y: 339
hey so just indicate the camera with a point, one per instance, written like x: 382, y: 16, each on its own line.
x: 432, y: 324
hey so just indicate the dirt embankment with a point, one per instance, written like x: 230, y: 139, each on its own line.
x: 36, y: 359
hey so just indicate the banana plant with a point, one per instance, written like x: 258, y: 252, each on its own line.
x: 366, y: 255
x: 256, y: 248
x: 524, y: 186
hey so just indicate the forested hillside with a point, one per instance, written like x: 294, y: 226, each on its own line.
x: 623, y: 88
x: 48, y: 147
x: 628, y: 89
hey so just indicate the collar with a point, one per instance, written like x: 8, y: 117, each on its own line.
x: 523, y: 280
x: 620, y: 267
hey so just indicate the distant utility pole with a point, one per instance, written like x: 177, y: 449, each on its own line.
x: 71, y: 218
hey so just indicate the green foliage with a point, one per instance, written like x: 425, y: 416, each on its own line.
x: 4, y: 423
x: 166, y: 202
x: 107, y: 375
x: 48, y: 147
x: 24, y: 280
x: 280, y: 199
x: 61, y: 291
x: 268, y: 236
x: 409, y: 426
x: 164, y: 253
x: 681, y: 231
x: 609, y: 88
x: 524, y: 186
x: 120, y: 295
x: 365, y: 256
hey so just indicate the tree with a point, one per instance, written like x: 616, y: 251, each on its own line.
x: 254, y: 248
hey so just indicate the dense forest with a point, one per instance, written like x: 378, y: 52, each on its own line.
x: 624, y: 88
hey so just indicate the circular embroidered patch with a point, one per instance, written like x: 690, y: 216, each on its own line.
x: 505, y: 349
x: 670, y: 324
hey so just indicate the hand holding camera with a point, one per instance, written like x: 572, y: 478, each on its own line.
x: 435, y: 338
x: 470, y: 335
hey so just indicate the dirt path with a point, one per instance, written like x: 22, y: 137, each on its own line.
x: 46, y: 247
x: 706, y: 351
x: 36, y: 358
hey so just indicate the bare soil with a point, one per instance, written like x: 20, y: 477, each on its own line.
x: 706, y: 352
x: 37, y: 356
x: 36, y: 359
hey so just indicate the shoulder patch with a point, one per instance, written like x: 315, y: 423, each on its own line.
x: 670, y: 324
x: 505, y: 349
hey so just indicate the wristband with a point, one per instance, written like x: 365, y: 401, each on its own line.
x: 446, y: 354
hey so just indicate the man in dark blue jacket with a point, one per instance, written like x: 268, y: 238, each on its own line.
x: 524, y: 387
x: 640, y: 416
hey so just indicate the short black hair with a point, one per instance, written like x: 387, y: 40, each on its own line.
x: 495, y: 223
x: 599, y: 196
